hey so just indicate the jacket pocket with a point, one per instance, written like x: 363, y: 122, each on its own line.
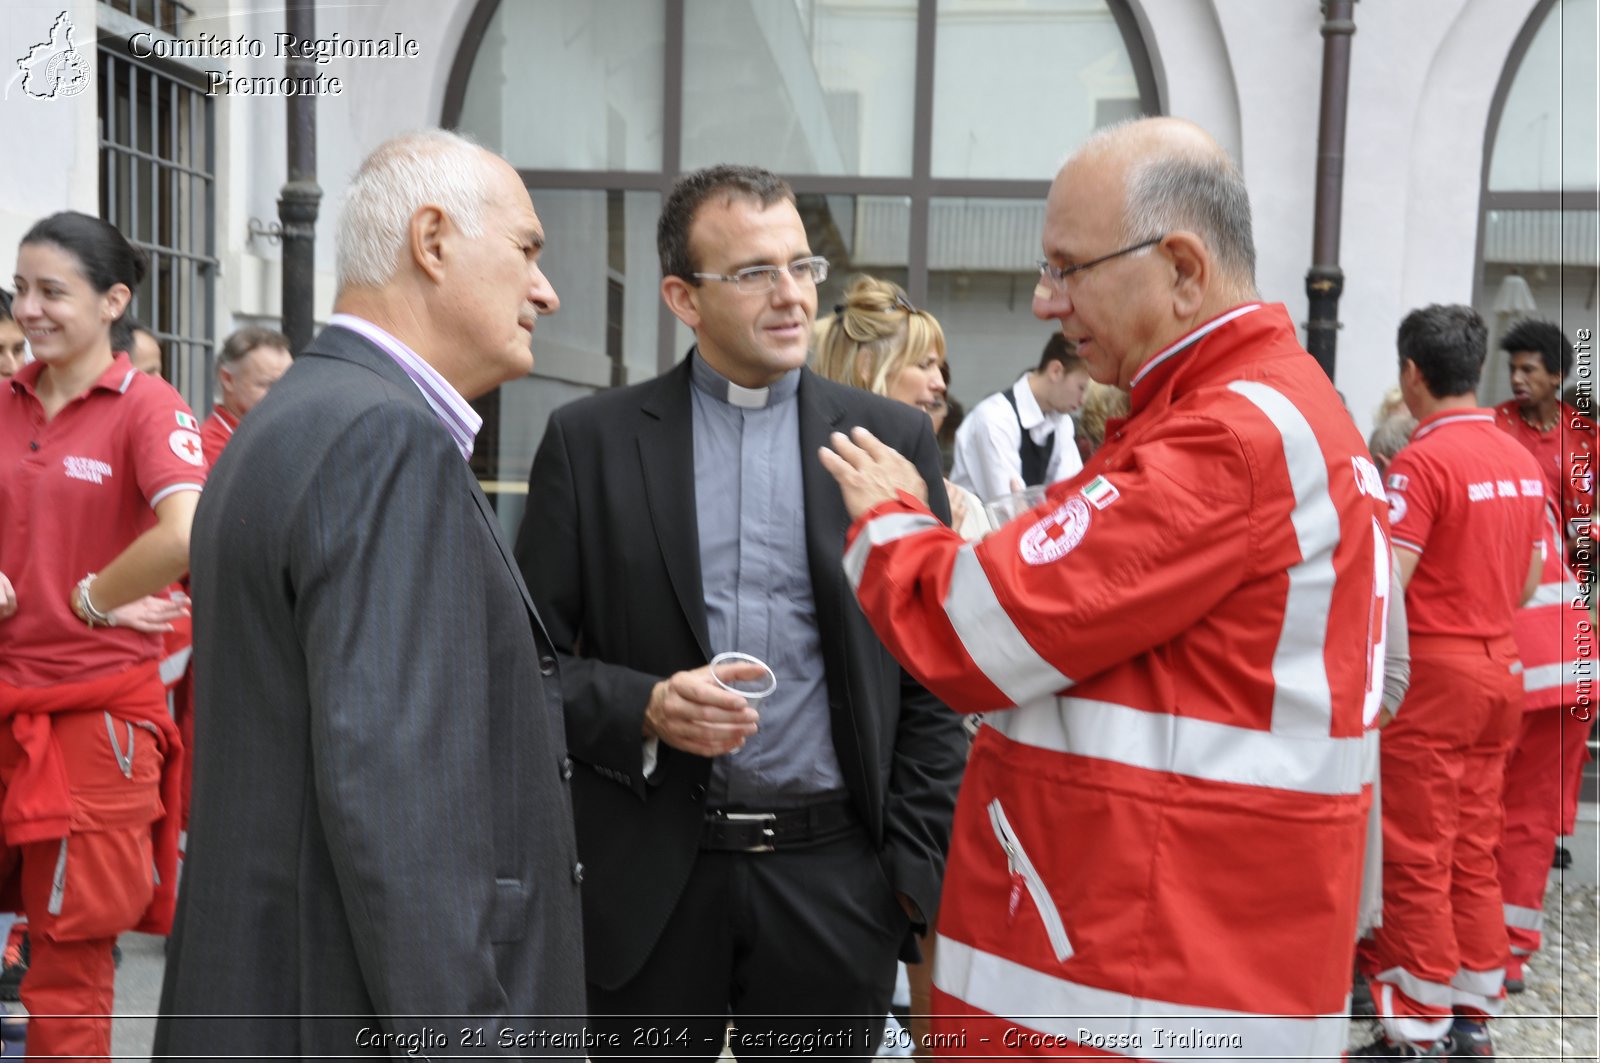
x: 1025, y: 877
x: 509, y: 919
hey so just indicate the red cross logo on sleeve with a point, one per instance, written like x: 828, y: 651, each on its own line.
x: 186, y: 445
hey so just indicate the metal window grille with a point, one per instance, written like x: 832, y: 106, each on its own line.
x: 166, y: 15
x: 158, y: 187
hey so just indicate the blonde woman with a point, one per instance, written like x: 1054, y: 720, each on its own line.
x: 1101, y: 402
x: 876, y: 340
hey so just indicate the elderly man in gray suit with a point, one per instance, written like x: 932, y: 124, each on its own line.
x: 381, y: 855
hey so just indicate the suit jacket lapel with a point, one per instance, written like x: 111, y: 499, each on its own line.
x: 666, y: 458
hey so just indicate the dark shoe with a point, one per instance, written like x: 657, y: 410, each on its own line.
x: 1361, y: 1003
x: 116, y: 955
x: 1383, y: 1050
x: 1468, y: 1039
x: 12, y: 967
x: 1514, y: 982
x: 1563, y: 859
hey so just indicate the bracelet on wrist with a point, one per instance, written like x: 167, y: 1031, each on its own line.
x: 89, y: 614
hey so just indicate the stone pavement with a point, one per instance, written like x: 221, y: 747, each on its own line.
x: 1556, y: 983
x: 138, y: 994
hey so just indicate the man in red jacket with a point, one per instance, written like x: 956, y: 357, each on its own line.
x: 1560, y: 438
x: 1466, y: 506
x: 1546, y: 765
x: 1157, y: 849
x: 250, y: 362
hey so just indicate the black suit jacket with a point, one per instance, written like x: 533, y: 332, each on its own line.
x: 381, y: 821
x: 610, y: 550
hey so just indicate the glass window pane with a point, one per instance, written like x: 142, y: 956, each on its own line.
x: 1546, y: 138
x: 600, y: 254
x: 1002, y: 69
x: 800, y: 86
x: 981, y: 255
x: 857, y: 234
x: 600, y: 257
x: 564, y: 86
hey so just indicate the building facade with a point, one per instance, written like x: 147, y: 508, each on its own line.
x: 921, y: 136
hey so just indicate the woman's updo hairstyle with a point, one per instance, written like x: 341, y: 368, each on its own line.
x: 104, y: 255
x: 873, y: 335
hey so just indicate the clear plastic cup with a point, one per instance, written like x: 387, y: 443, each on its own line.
x: 740, y: 673
x: 1007, y: 508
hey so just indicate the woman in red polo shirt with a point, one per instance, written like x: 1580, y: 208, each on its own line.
x: 100, y: 471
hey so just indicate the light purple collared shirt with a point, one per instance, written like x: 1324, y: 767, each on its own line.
x: 453, y: 411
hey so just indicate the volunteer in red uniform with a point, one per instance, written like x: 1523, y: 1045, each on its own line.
x: 1556, y: 644
x: 1563, y: 441
x: 13, y: 345
x: 1158, y: 852
x: 1466, y: 507
x: 250, y: 362
x: 1560, y: 438
x: 100, y: 470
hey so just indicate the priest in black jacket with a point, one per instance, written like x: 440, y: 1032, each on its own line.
x: 683, y: 517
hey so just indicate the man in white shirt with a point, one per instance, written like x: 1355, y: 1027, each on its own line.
x: 1024, y: 435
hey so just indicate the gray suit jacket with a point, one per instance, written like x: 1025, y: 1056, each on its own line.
x: 382, y: 840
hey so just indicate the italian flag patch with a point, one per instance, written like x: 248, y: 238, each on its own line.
x: 1099, y: 492
x: 186, y: 420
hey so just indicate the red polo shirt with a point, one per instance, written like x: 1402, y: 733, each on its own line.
x: 1468, y: 500
x: 216, y: 432
x: 74, y: 492
x: 1565, y: 455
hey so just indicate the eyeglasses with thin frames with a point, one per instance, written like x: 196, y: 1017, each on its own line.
x: 1057, y: 276
x: 813, y: 270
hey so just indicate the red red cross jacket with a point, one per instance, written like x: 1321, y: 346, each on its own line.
x: 1553, y: 634
x: 1160, y: 848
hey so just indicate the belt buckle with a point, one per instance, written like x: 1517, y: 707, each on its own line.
x: 769, y: 818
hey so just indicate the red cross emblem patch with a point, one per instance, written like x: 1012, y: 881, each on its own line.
x: 186, y: 445
x: 1057, y: 534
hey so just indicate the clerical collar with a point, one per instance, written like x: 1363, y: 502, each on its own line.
x: 720, y: 387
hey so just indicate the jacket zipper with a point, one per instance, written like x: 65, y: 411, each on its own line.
x: 1024, y: 876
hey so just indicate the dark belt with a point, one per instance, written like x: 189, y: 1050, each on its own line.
x: 766, y: 832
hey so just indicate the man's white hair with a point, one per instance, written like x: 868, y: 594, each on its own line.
x: 1190, y: 189
x: 405, y: 173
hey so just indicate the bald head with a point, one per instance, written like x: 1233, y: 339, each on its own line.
x: 1171, y: 175
x: 1148, y: 224
x: 1142, y: 138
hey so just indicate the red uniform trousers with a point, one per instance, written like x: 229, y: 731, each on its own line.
x: 81, y: 891
x: 1442, y: 945
x: 1542, y: 778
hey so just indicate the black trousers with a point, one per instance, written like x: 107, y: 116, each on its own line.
x: 796, y: 949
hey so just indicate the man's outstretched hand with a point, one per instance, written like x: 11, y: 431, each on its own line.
x: 869, y: 471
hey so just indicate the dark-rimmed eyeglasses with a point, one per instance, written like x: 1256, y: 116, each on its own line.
x: 1056, y: 276
x: 813, y: 270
